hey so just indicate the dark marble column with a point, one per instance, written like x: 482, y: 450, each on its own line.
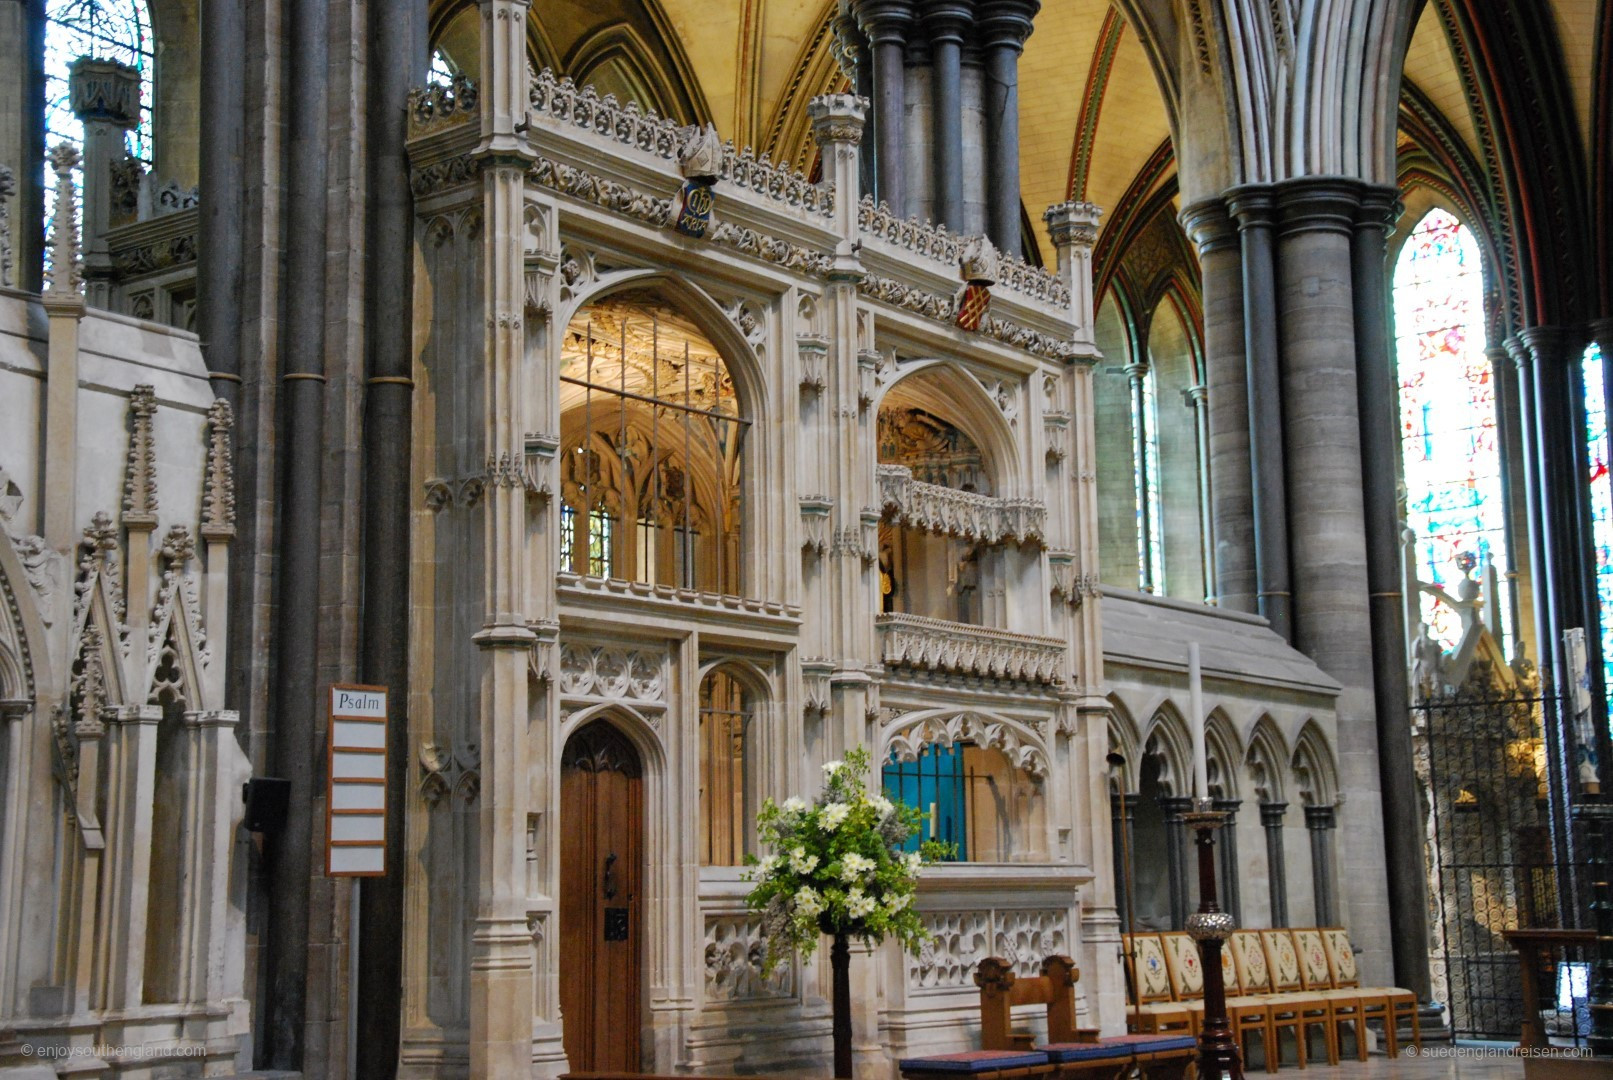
x: 1227, y: 854
x: 1379, y: 404
x: 887, y: 24
x: 1255, y: 210
x: 1231, y: 502
x: 1004, y: 26
x: 1320, y: 821
x: 947, y: 21
x: 1177, y: 857
x: 1271, y: 820
x: 1316, y: 219
x: 1122, y: 818
x: 220, y: 255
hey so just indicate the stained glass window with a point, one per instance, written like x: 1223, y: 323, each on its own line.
x: 1150, y: 542
x: 107, y: 30
x: 442, y: 72
x: 1450, y: 456
x: 1601, y: 499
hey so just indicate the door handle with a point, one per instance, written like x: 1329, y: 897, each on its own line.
x: 609, y: 882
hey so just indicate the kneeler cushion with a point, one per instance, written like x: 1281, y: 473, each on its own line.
x: 1103, y: 1050
x: 973, y: 1061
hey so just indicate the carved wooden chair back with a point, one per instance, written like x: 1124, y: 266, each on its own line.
x: 1001, y: 989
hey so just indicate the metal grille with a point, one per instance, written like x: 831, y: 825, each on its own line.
x: 1491, y: 867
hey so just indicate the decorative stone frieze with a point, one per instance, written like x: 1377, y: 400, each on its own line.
x: 444, y: 774
x: 949, y: 512
x: 914, y: 641
x: 561, y: 101
x: 613, y: 672
x: 689, y: 597
x: 438, y: 106
x: 1027, y: 937
x: 735, y: 948
x: 959, y: 940
x: 909, y: 738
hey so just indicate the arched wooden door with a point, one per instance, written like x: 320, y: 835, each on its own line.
x: 601, y: 889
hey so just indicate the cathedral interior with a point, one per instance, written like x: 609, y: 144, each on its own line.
x: 1111, y: 414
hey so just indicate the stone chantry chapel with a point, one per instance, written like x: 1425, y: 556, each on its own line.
x: 660, y: 399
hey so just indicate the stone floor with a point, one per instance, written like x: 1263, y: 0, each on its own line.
x: 1434, y: 1063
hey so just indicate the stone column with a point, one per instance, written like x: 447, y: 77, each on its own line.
x: 1197, y: 399
x: 106, y: 99
x: 22, y: 137
x: 216, y: 968
x: 886, y: 24
x: 1004, y: 26
x: 220, y: 254
x: 1176, y: 853
x: 1380, y: 448
x: 502, y: 979
x: 947, y: 21
x: 1509, y: 436
x: 131, y: 751
x: 1122, y: 811
x: 1226, y: 382
x: 1320, y: 820
x: 1271, y: 820
x: 1254, y: 208
x: 1073, y: 228
x: 1227, y: 853
x: 1322, y: 444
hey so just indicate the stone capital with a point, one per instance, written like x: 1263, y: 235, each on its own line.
x: 1271, y: 814
x: 946, y: 21
x: 1541, y: 345
x: 1007, y: 23
x: 1326, y: 204
x: 105, y: 90
x: 132, y: 714
x: 1209, y: 225
x: 1602, y: 333
x: 212, y: 718
x: 15, y: 708
x: 1073, y: 224
x: 884, y: 22
x: 1380, y: 208
x: 504, y: 636
x: 837, y: 118
x: 1319, y: 817
x: 1253, y: 206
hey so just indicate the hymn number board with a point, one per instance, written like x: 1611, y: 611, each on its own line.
x: 355, y: 816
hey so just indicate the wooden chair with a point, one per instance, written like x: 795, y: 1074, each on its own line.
x: 1310, y: 1010
x: 1186, y: 972
x: 1281, y: 1011
x: 1001, y: 989
x: 1149, y: 980
x: 1345, y: 1005
x: 1397, y: 1003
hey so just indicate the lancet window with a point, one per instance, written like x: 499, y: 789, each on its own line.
x: 974, y: 798
x: 652, y: 445
x: 728, y: 800
x: 1596, y: 435
x: 1450, y: 456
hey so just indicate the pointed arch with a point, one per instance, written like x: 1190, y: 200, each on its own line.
x: 908, y: 734
x: 1224, y: 753
x: 616, y: 59
x: 1316, y: 778
x: 639, y: 728
x: 24, y: 652
x: 1268, y: 761
x: 788, y: 137
x: 1167, y: 739
x: 1124, y: 740
x: 959, y: 397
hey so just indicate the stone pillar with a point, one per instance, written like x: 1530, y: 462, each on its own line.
x: 131, y: 750
x: 64, y: 306
x: 886, y: 24
x: 1322, y: 444
x: 1073, y: 228
x: 1254, y: 208
x: 1509, y: 436
x: 1176, y: 853
x: 1004, y: 26
x: 106, y: 99
x: 1227, y: 853
x: 1122, y: 812
x: 947, y: 21
x: 1380, y: 449
x: 1320, y: 820
x: 1197, y: 399
x: 1271, y: 820
x: 22, y: 138
x: 1136, y: 373
x: 502, y: 979
x: 1227, y: 463
x: 220, y: 254
x: 216, y: 968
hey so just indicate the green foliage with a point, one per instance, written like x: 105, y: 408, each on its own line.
x: 837, y: 866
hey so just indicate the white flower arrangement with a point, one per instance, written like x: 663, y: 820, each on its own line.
x: 837, y: 866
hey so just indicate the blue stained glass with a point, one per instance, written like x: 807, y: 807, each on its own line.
x: 107, y: 30
x: 1449, y: 450
x: 1594, y: 371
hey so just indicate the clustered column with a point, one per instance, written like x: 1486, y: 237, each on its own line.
x: 1004, y: 26
x: 1271, y: 820
x: 1227, y: 852
x: 947, y: 21
x: 886, y: 24
x: 1177, y: 856
x: 1320, y: 821
x: 1123, y: 809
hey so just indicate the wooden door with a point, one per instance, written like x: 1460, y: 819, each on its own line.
x: 601, y: 870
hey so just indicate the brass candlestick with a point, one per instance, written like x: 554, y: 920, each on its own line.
x: 1219, y: 1056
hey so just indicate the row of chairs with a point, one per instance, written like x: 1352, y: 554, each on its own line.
x: 1276, y: 980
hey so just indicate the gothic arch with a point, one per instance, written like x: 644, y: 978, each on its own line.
x: 1124, y: 740
x: 964, y: 401
x: 756, y: 679
x: 630, y: 71
x: 638, y: 728
x: 1167, y: 738
x: 1224, y: 753
x: 909, y: 733
x: 1315, y: 772
x: 1268, y: 761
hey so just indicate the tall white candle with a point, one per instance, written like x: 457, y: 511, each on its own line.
x: 1195, y: 697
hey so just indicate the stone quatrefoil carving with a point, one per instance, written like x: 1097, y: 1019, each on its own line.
x: 608, y: 671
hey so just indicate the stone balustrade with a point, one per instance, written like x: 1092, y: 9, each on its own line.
x: 967, y: 514
x: 914, y: 641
